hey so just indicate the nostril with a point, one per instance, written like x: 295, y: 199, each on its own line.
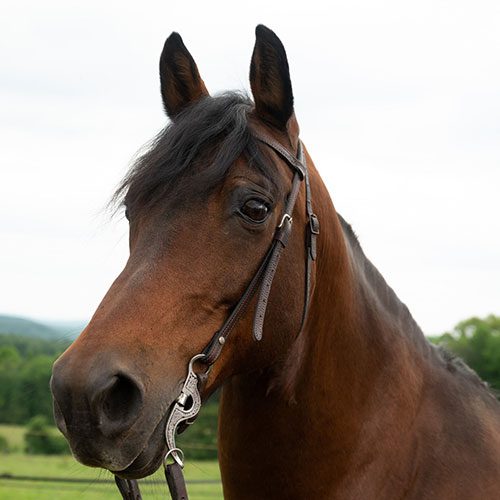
x: 122, y: 398
x: 120, y: 404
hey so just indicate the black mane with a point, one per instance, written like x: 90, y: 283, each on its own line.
x: 194, y: 153
x: 451, y: 362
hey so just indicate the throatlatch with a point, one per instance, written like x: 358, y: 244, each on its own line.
x: 188, y: 404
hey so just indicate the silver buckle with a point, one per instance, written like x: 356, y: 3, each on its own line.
x: 284, y: 218
x: 314, y: 224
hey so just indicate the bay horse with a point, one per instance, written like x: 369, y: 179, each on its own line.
x: 346, y: 401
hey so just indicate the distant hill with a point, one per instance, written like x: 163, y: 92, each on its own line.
x: 29, y: 328
x: 68, y: 329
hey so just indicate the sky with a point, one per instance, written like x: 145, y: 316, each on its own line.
x: 398, y: 104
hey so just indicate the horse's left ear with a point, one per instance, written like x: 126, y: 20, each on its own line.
x: 270, y: 79
x: 181, y: 83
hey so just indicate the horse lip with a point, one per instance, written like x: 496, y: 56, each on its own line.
x: 101, y: 457
x: 59, y: 418
x: 147, y: 469
x: 152, y: 464
x: 158, y: 429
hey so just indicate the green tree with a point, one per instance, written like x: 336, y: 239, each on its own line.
x: 39, y: 440
x: 10, y: 358
x: 35, y: 395
x: 10, y: 362
x: 477, y: 342
x: 25, y: 370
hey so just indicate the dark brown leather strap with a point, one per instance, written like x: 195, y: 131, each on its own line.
x: 280, y: 241
x: 214, y: 347
x: 293, y: 161
x: 175, y: 481
x: 128, y: 488
x: 312, y: 232
x: 267, y: 269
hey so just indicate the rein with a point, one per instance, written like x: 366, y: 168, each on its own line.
x: 188, y: 404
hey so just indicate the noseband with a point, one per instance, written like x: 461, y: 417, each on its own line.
x: 188, y: 404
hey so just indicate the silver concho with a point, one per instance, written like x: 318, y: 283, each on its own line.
x: 182, y: 412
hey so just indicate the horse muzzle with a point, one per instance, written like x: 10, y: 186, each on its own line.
x: 101, y: 410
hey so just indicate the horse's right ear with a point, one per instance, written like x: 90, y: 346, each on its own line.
x: 181, y: 83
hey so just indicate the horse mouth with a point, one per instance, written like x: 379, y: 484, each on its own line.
x: 150, y: 458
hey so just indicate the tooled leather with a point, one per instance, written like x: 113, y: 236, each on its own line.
x: 214, y: 348
x: 265, y: 289
x: 281, y: 237
x: 265, y: 274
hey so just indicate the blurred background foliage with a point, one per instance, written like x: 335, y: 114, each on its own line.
x: 25, y: 370
x: 26, y: 363
x: 477, y: 342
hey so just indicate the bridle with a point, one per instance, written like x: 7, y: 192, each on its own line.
x: 188, y: 404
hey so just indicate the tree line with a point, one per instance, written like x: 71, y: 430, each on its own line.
x: 25, y: 399
x: 25, y: 370
x: 26, y: 365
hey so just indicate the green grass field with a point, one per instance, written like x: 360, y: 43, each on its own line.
x: 14, y: 435
x: 64, y: 466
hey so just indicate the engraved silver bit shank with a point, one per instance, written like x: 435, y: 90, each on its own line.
x: 182, y: 413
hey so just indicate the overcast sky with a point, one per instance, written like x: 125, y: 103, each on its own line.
x: 398, y: 102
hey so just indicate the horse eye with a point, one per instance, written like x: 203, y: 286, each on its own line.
x: 255, y: 210
x: 127, y: 215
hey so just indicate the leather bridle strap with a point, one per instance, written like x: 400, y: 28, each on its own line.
x: 214, y: 347
x: 312, y: 232
x: 280, y: 241
x: 265, y: 273
x: 129, y: 488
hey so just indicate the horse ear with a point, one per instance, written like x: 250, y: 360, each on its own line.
x: 181, y: 83
x: 270, y: 79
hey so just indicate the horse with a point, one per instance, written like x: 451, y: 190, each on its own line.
x: 342, y: 397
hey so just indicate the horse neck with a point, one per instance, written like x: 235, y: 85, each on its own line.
x: 357, y: 328
x: 353, y: 367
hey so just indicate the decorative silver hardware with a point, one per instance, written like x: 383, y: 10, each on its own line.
x: 222, y: 340
x: 182, y: 399
x: 185, y: 408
